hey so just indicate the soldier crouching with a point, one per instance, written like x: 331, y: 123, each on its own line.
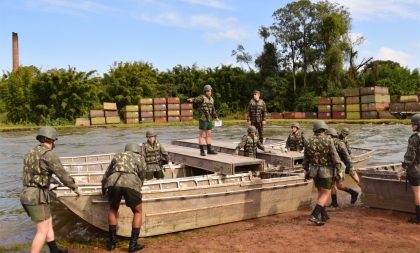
x: 155, y: 155
x: 124, y: 178
x: 250, y: 143
x: 319, y: 160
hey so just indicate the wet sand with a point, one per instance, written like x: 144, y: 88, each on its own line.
x: 350, y: 229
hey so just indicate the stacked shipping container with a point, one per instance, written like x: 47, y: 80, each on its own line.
x: 374, y: 100
x: 186, y: 112
x: 338, y: 107
x: 174, y: 109
x: 324, y: 108
x: 111, y: 113
x: 131, y: 114
x: 160, y: 111
x: 408, y: 103
x: 146, y: 110
x: 352, y: 97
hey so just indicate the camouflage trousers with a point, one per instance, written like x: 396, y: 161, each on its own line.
x: 260, y: 128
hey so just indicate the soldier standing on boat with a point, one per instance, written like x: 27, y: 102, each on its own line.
x: 155, y: 155
x: 319, y: 161
x: 207, y: 115
x: 39, y: 164
x: 257, y: 112
x: 412, y: 165
x: 343, y: 137
x: 124, y: 177
x: 346, y: 159
x: 250, y: 143
x: 296, y: 140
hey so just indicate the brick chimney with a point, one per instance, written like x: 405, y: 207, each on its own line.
x: 15, y: 45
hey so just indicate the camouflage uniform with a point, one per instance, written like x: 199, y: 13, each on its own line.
x: 155, y: 156
x: 295, y: 142
x: 344, y: 155
x: 345, y: 141
x: 250, y: 145
x: 207, y: 112
x: 412, y: 159
x: 257, y: 112
x: 320, y: 158
x: 39, y: 164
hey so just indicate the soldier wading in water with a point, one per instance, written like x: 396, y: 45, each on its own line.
x: 412, y: 165
x: 319, y: 161
x: 155, y: 156
x: 207, y: 115
x: 295, y: 141
x: 39, y: 164
x: 346, y: 159
x: 257, y: 112
x: 124, y: 177
x: 250, y: 143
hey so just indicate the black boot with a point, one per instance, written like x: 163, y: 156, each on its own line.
x: 314, y: 216
x: 112, y: 237
x: 210, y: 150
x: 134, y: 245
x: 334, y: 202
x: 416, y: 220
x: 54, y: 249
x: 202, y: 152
x: 354, y: 195
x: 324, y: 215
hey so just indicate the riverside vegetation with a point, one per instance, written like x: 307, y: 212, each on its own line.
x: 303, y: 56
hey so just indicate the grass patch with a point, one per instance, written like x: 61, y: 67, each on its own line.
x: 17, y: 247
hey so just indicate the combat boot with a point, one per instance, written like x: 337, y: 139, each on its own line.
x: 112, y: 238
x: 54, y: 249
x: 134, y: 246
x: 354, y: 195
x: 210, y: 150
x: 416, y: 220
x: 202, y: 152
x: 334, y: 202
x: 324, y: 215
x: 314, y: 216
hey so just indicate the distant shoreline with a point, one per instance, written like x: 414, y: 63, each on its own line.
x: 13, y: 128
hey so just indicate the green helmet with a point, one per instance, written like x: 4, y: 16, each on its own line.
x: 319, y: 124
x: 295, y: 125
x: 207, y: 87
x: 332, y: 132
x: 345, y: 131
x: 150, y: 133
x: 47, y: 132
x: 415, y: 120
x: 252, y: 129
x: 133, y: 147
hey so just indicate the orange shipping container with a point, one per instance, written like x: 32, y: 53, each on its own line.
x: 186, y: 112
x: 299, y: 115
x: 147, y: 114
x: 173, y: 100
x: 186, y: 106
x: 186, y: 118
x: 352, y: 100
x: 132, y: 120
x: 159, y: 101
x: 82, y: 122
x: 276, y: 115
x: 110, y: 106
x: 97, y: 113
x: 111, y: 113
x: 324, y: 101
x: 160, y: 119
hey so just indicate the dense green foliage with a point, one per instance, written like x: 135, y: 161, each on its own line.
x: 303, y: 56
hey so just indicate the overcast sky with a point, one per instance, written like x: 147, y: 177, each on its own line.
x: 92, y: 34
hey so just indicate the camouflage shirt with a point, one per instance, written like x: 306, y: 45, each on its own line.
x: 257, y: 111
x: 155, y: 155
x: 205, y: 107
x: 250, y: 145
x: 39, y: 165
x: 342, y: 152
x: 320, y: 156
x: 295, y: 142
x: 126, y: 169
x: 346, y: 142
x: 412, y: 156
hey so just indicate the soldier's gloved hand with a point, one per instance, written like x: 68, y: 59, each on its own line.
x: 77, y: 191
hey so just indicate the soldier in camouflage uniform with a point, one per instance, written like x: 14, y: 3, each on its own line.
x: 296, y: 140
x: 39, y: 165
x: 346, y: 159
x: 257, y: 112
x: 207, y: 115
x: 343, y: 137
x: 250, y: 143
x: 412, y: 165
x: 124, y: 177
x: 155, y: 156
x: 319, y: 161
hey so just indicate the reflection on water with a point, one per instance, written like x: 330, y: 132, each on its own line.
x: 389, y: 142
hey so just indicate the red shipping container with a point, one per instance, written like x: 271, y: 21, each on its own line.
x: 186, y: 112
x: 159, y: 101
x: 161, y: 120
x: 111, y: 113
x: 338, y: 115
x: 173, y: 100
x: 159, y: 107
x: 299, y: 115
x: 97, y: 113
x: 146, y: 114
x: 311, y: 115
x: 324, y: 115
x: 288, y: 115
x: 386, y: 115
x: 324, y: 101
x: 186, y: 106
x: 186, y: 118
x: 397, y: 107
x: 352, y: 100
x: 412, y: 107
x: 276, y: 115
x: 174, y: 119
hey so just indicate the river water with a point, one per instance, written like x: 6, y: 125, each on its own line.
x: 388, y: 141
